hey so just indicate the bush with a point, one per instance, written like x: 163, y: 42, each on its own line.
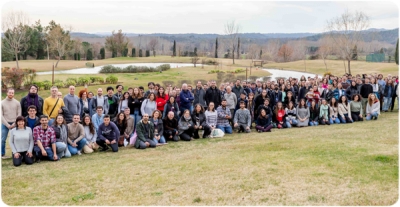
x: 38, y: 84
x: 140, y: 53
x: 89, y: 65
x: 29, y: 77
x: 211, y: 62
x: 313, y: 57
x: 112, y: 79
x: 83, y: 80
x: 99, y: 80
x: 46, y: 85
x: 71, y: 82
x: 59, y: 83
x: 164, y: 67
x: 13, y: 77
x: 92, y: 79
x: 216, y: 71
x: 133, y: 69
x: 89, y: 54
x: 239, y: 70
x: 147, y: 53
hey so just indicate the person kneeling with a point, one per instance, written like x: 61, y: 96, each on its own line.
x: 242, y: 120
x: 108, y: 134
x: 185, y: 126
x: 145, y: 133
x: 264, y: 122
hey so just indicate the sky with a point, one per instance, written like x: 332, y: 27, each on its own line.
x: 146, y: 17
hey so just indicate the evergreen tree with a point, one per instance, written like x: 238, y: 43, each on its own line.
x: 89, y: 54
x: 195, y: 51
x: 396, y: 54
x: 102, y: 53
x: 381, y: 51
x: 147, y: 53
x: 174, y: 49
x: 260, y: 53
x: 133, y: 52
x: 79, y: 56
x: 140, y: 53
x: 355, y: 55
x: 216, y: 47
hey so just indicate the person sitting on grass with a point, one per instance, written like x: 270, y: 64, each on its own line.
x: 158, y: 127
x: 145, y: 133
x: 61, y: 131
x: 90, y: 135
x: 356, y: 108
x: 333, y: 111
x: 264, y: 122
x: 324, y: 113
x: 280, y: 116
x: 76, y: 136
x: 224, y: 114
x: 267, y: 109
x: 170, y: 127
x: 21, y: 143
x: 303, y: 114
x: 185, y: 126
x: 199, y: 122
x: 121, y: 123
x: 211, y: 117
x: 314, y: 114
x: 290, y: 112
x: 45, y: 141
x: 108, y: 134
x: 373, y: 107
x: 242, y: 120
x: 344, y: 110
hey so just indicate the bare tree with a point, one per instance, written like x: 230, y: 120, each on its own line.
x: 58, y: 39
x: 346, y: 31
x: 325, y: 49
x: 252, y: 52
x: 232, y: 31
x: 194, y: 60
x: 16, y: 36
x: 153, y: 44
x: 96, y: 49
x: 77, y: 45
x: 117, y: 42
x: 285, y: 52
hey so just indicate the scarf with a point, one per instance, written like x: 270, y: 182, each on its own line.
x: 32, y: 99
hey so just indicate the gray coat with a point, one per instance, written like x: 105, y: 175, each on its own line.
x: 93, y: 105
x: 199, y: 96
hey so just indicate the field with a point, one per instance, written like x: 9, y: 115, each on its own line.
x: 352, y: 164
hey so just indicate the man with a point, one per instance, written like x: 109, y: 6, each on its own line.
x: 76, y: 134
x: 253, y: 89
x: 112, y: 102
x: 246, y: 89
x: 32, y: 120
x: 98, y: 118
x: 231, y: 100
x: 32, y: 99
x: 145, y: 133
x: 186, y: 98
x: 365, y: 90
x: 345, y: 83
x: 59, y: 94
x: 44, y: 138
x: 71, y: 101
x: 241, y: 98
x: 276, y: 94
x: 52, y: 105
x: 10, y: 110
x: 205, y: 87
x: 108, y: 134
x: 150, y: 85
x: 170, y: 127
x: 199, y: 94
x: 237, y: 89
x: 119, y: 93
x: 327, y: 94
x: 224, y: 115
x: 213, y: 94
x: 242, y: 120
x: 99, y: 100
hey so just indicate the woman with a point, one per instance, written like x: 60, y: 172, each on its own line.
x: 356, y: 108
x: 185, y: 126
x: 289, y: 98
x: 333, y: 111
x: 290, y: 112
x: 283, y: 90
x: 90, y: 135
x: 314, y: 114
x: 373, y: 107
x: 375, y: 87
x: 250, y: 106
x: 259, y: 100
x: 161, y: 99
x: 324, y: 113
x: 120, y: 121
x: 171, y: 105
x: 61, y: 131
x: 302, y: 113
x: 84, y: 102
x: 135, y: 104
x: 158, y: 128
x: 263, y: 123
x: 387, y: 95
x: 281, y: 82
x: 199, y: 122
x: 90, y: 95
x: 280, y: 116
x: 325, y: 83
x: 352, y: 90
x: 21, y: 143
x: 302, y: 91
x: 317, y: 95
x: 211, y: 116
x: 124, y: 102
x: 344, y: 110
x: 149, y: 105
x: 303, y: 78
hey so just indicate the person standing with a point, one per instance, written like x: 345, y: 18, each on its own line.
x: 112, y: 102
x: 119, y: 89
x: 99, y: 100
x: 387, y: 95
x: 161, y: 99
x: 231, y: 100
x: 45, y: 140
x: 10, y: 110
x: 71, y: 101
x: 186, y: 98
x: 135, y: 104
x: 237, y: 89
x: 365, y: 90
x: 213, y: 95
x: 32, y: 99
x: 198, y: 94
x: 84, y: 102
x: 52, y: 105
x: 21, y: 143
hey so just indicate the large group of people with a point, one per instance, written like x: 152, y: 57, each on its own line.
x: 84, y: 122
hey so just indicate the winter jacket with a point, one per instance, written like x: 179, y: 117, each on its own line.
x: 213, y: 95
x: 184, y: 124
x: 170, y: 124
x: 168, y: 107
x: 161, y: 101
x: 365, y: 90
x: 201, y: 118
x: 336, y: 93
x: 93, y: 105
x: 140, y: 131
x: 237, y: 90
x: 198, y: 95
x: 186, y: 99
x: 135, y: 106
x: 159, y: 127
x: 66, y: 114
x: 350, y: 91
x: 24, y: 106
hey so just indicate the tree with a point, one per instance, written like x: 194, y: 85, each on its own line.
x: 77, y: 47
x: 153, y: 44
x: 216, y: 48
x: 174, y: 49
x: 346, y: 31
x: 117, y: 43
x: 58, y: 39
x: 354, y: 55
x: 89, y: 54
x: 285, y: 52
x: 396, y: 54
x: 85, y: 48
x: 381, y: 51
x: 260, y: 53
x: 232, y: 31
x: 147, y: 53
x: 238, y: 48
x: 195, y: 51
x: 140, y: 53
x: 325, y: 49
x: 133, y: 52
x: 194, y: 60
x: 102, y: 53
x: 96, y: 49
x: 16, y: 36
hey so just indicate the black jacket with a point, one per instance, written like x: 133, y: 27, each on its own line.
x: 159, y: 127
x: 137, y: 105
x: 350, y: 91
x: 66, y: 114
x: 202, y: 119
x: 302, y: 93
x: 24, y: 106
x: 213, y: 95
x: 314, y: 114
x: 170, y: 124
x: 365, y: 90
x: 327, y: 95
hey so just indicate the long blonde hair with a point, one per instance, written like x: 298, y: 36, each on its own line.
x: 370, y: 102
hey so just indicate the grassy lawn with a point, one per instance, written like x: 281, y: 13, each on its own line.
x: 354, y: 164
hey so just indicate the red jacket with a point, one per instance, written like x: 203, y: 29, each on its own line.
x: 161, y: 102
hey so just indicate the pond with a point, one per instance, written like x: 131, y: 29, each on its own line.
x: 288, y: 73
x: 96, y: 70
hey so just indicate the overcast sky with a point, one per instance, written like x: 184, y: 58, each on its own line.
x: 201, y: 16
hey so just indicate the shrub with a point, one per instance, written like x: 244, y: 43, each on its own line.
x: 164, y: 67
x: 211, y: 62
x: 89, y: 65
x: 60, y: 84
x: 13, y: 77
x: 38, y: 84
x: 239, y: 70
x: 89, y: 54
x: 112, y: 79
x: 216, y: 71
x: 102, y: 53
x: 83, y: 80
x: 99, y: 79
x: 29, y: 77
x: 133, y: 69
x: 70, y: 82
x: 133, y: 52
x: 140, y: 53
x: 46, y: 85
x: 313, y: 57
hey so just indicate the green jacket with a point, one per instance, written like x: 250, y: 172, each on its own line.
x: 140, y: 132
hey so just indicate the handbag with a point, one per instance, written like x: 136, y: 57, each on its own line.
x: 132, y: 140
x: 87, y: 149
x: 217, y: 133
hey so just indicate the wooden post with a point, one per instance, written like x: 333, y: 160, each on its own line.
x: 52, y: 76
x: 246, y: 74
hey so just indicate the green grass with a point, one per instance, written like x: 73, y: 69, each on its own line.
x: 352, y: 164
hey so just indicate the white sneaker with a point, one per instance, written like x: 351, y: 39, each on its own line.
x: 79, y: 153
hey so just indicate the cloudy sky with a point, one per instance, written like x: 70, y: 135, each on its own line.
x: 201, y: 16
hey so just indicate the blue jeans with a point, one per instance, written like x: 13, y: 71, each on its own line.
x: 225, y: 129
x: 161, y: 141
x: 337, y: 121
x: 136, y: 117
x: 50, y: 154
x: 4, y: 134
x: 313, y: 123
x: 51, y: 121
x: 386, y: 103
x: 294, y: 122
x: 374, y: 114
x: 62, y: 150
x: 49, y: 151
x: 74, y: 150
x: 343, y: 120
